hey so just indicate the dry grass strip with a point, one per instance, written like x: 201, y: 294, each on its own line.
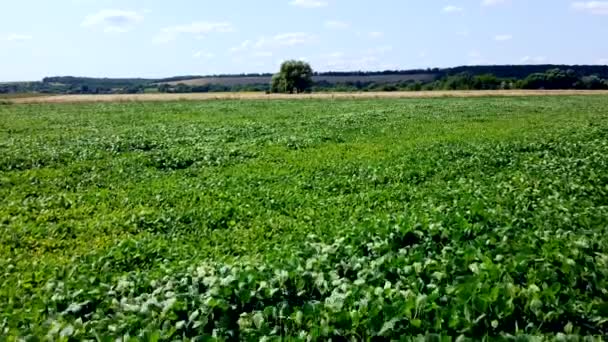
x: 262, y: 96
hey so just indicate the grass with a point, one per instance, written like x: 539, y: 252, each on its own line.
x: 11, y: 96
x: 362, y: 219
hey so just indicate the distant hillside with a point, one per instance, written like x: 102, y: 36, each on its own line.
x: 355, y: 80
x: 387, y: 76
x: 319, y: 78
x: 97, y: 82
x: 517, y: 72
x: 522, y: 71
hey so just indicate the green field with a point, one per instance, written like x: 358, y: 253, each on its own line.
x: 307, y: 219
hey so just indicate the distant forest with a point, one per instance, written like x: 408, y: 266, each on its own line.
x: 458, y: 78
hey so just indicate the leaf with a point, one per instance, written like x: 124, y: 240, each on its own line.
x: 258, y: 320
x: 298, y: 317
x: 388, y: 327
x: 568, y: 328
x: 193, y: 315
x: 67, y: 331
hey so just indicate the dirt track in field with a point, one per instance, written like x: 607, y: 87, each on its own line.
x: 261, y: 96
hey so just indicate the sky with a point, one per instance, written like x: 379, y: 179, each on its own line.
x: 160, y: 38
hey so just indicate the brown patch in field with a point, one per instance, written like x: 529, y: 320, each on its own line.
x: 329, y: 96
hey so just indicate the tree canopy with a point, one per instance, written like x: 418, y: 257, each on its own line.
x: 294, y: 77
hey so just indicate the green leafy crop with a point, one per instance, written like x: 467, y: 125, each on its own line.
x: 436, y: 219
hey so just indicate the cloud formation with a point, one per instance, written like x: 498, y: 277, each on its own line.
x: 534, y: 60
x: 112, y: 20
x: 375, y: 34
x: 503, y: 37
x: 198, y: 29
x: 452, y: 9
x: 337, y: 25
x: 285, y: 39
x: 366, y: 59
x: 15, y: 37
x: 592, y: 7
x: 279, y: 40
x: 205, y: 55
x: 492, y: 2
x: 309, y: 3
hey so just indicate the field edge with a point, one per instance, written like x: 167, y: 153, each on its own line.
x: 262, y: 96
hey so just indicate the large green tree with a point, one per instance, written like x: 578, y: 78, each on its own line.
x: 294, y: 77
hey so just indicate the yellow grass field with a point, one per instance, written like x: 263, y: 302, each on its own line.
x: 261, y: 96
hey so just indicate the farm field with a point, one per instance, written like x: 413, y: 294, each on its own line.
x: 316, y: 78
x: 354, y: 218
x: 39, y: 98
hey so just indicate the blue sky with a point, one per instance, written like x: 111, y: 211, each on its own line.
x: 159, y: 38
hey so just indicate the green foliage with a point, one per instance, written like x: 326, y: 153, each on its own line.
x: 458, y: 78
x: 592, y: 82
x: 433, y: 219
x: 560, y: 79
x: 91, y: 83
x: 211, y: 88
x: 294, y: 77
x: 278, y: 84
x: 522, y: 71
x: 552, y: 79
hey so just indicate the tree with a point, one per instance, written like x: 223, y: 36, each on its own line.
x: 551, y: 79
x: 591, y: 82
x: 278, y: 84
x: 183, y: 88
x: 164, y: 88
x: 294, y: 77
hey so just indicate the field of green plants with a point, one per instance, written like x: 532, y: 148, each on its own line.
x: 306, y: 220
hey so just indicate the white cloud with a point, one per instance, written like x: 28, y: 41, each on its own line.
x: 284, y: 39
x: 602, y: 61
x: 533, y: 60
x: 198, y: 29
x: 375, y: 34
x: 309, y: 3
x: 264, y: 45
x: 242, y: 47
x: 337, y: 54
x: 264, y: 54
x: 381, y: 50
x: 201, y: 54
x: 492, y: 2
x: 480, y: 61
x: 15, y: 37
x: 503, y: 37
x: 337, y: 25
x: 452, y: 9
x: 357, y: 63
x: 113, y: 20
x: 362, y: 59
x: 474, y: 54
x: 593, y: 7
x: 476, y: 58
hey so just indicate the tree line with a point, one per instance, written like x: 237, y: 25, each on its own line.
x: 550, y: 79
x: 459, y: 78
